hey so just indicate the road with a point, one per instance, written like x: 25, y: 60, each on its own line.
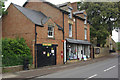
x: 103, y: 69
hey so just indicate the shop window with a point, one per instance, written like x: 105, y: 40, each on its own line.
x: 70, y: 30
x: 50, y: 31
x: 72, y: 52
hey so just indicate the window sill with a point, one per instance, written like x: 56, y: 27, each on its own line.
x: 51, y: 38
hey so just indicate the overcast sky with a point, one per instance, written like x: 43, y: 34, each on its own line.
x: 21, y: 2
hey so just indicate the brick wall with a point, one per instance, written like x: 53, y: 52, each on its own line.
x: 21, y: 26
x: 56, y: 16
x: 42, y: 37
x: 15, y: 24
x: 74, y: 5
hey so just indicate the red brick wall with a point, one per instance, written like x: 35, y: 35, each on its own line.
x: 56, y: 16
x: 48, y: 10
x: 74, y: 5
x: 42, y: 37
x: 88, y: 32
x: 15, y: 24
x: 80, y: 30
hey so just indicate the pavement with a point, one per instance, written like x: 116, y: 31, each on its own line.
x: 43, y: 71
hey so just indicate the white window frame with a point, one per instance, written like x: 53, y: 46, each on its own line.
x: 51, y: 31
x: 85, y: 22
x: 70, y: 14
x: 85, y: 17
x: 85, y: 33
x: 70, y: 32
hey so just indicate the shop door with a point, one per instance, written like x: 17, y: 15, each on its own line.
x: 46, y: 55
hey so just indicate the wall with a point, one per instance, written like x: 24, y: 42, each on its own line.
x: 119, y: 35
x: 15, y: 24
x: 74, y: 5
x: 103, y: 52
x: 56, y: 16
x: 42, y: 37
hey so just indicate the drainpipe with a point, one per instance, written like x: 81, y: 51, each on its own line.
x: 35, y: 45
x: 76, y: 27
x: 63, y: 36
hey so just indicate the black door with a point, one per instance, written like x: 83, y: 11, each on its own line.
x: 46, y: 55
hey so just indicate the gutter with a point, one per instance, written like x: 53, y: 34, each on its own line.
x: 76, y: 27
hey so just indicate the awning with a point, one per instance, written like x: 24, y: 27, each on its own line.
x: 74, y: 41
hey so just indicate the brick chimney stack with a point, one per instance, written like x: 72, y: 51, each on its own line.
x: 74, y: 6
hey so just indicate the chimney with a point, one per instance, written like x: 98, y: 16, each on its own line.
x: 74, y: 6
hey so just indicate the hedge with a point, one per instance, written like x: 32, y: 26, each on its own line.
x: 118, y: 44
x: 14, y: 51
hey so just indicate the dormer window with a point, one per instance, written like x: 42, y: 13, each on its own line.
x: 70, y: 12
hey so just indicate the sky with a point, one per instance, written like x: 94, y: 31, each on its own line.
x: 21, y: 2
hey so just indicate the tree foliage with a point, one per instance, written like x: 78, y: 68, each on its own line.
x: 104, y: 17
x: 14, y: 51
x: 2, y: 7
x: 118, y: 45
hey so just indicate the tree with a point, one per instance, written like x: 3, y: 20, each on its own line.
x: 2, y: 7
x: 104, y: 18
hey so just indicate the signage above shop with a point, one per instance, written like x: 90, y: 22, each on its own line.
x: 46, y: 44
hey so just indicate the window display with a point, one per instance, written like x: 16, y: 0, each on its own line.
x: 72, y: 52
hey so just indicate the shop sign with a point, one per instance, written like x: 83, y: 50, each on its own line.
x: 46, y: 44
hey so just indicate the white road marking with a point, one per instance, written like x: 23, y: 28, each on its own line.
x: 109, y: 68
x: 92, y: 76
x: 63, y: 66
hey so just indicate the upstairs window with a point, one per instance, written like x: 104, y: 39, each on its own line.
x: 50, y: 31
x: 70, y: 30
x: 85, y: 34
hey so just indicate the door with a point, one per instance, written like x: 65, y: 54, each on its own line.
x: 46, y: 55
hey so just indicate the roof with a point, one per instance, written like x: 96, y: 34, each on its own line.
x: 62, y: 5
x: 79, y: 12
x: 36, y: 17
x: 57, y: 7
x: 78, y: 41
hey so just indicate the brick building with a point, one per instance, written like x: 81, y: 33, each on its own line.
x: 55, y: 33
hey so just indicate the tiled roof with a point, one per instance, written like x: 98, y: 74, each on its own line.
x: 79, y: 12
x: 36, y: 17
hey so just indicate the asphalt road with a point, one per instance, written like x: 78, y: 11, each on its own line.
x: 102, y: 69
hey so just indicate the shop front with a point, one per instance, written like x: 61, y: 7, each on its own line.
x: 77, y: 49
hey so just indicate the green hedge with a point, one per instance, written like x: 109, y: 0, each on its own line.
x: 14, y: 52
x: 118, y: 44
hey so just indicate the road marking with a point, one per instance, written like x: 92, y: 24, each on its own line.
x: 92, y: 76
x: 109, y: 68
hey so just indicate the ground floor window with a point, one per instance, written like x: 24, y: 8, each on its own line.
x: 75, y: 51
x: 71, y: 51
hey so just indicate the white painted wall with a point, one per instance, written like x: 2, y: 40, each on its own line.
x: 119, y: 35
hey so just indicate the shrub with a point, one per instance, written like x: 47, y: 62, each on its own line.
x: 14, y: 52
x: 118, y: 45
